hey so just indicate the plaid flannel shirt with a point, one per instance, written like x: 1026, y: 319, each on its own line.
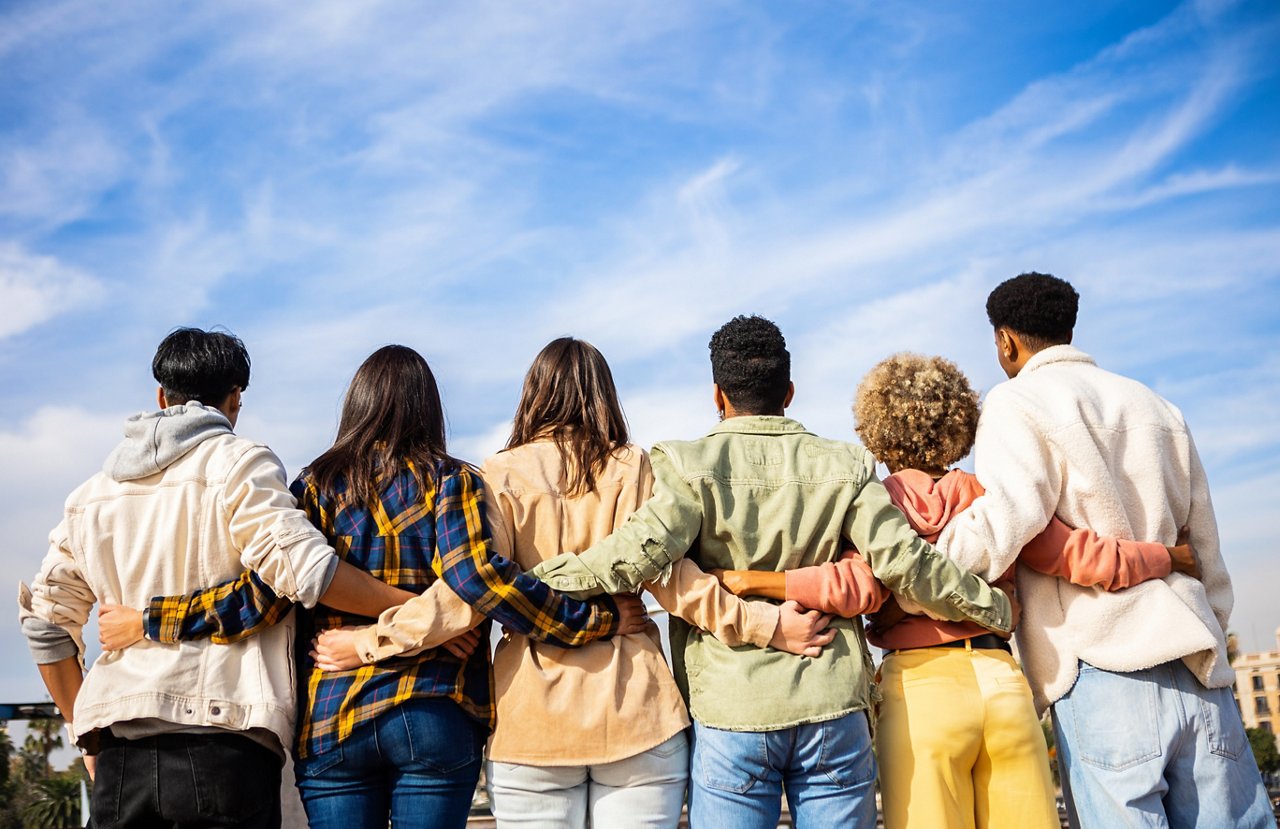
x: 417, y: 531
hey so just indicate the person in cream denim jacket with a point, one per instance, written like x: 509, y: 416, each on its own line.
x: 182, y: 500
x: 761, y: 492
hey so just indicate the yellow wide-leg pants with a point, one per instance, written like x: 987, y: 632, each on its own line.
x: 959, y: 744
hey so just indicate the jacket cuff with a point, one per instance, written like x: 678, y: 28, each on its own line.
x: 366, y: 643
x: 761, y: 623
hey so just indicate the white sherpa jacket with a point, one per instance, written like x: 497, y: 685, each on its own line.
x: 1102, y: 451
x: 182, y: 503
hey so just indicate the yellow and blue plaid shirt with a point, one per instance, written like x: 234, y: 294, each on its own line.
x: 419, y: 530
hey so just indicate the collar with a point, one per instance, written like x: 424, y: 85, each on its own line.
x: 1056, y: 354
x: 759, y: 425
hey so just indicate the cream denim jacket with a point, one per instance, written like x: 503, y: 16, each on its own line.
x: 762, y: 493
x: 183, y: 503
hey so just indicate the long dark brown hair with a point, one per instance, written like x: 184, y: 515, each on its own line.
x: 392, y: 419
x: 569, y: 397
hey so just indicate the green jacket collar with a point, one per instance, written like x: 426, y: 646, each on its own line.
x: 759, y: 425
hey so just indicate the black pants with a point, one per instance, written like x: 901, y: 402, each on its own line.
x: 186, y: 781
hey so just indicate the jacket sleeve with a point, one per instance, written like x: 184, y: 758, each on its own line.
x: 274, y: 538
x: 846, y: 587
x: 910, y: 566
x: 641, y: 550
x: 698, y: 598
x: 225, y: 613
x: 1083, y: 557
x: 425, y: 621
x: 54, y: 610
x: 1203, y: 526
x: 1023, y: 481
x: 495, y: 586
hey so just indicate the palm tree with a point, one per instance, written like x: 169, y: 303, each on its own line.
x: 55, y: 803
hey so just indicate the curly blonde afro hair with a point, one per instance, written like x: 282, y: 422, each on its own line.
x: 916, y: 412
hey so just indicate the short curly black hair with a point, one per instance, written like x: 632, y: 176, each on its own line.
x: 751, y: 365
x: 1039, y: 306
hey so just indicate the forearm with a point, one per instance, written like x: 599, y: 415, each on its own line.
x: 63, y: 679
x: 845, y: 588
x: 763, y: 583
x: 697, y: 597
x: 356, y: 591
x: 425, y: 621
x: 1082, y: 557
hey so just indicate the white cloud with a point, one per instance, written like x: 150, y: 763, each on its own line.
x: 35, y: 289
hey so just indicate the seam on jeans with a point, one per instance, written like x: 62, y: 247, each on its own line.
x: 154, y: 746
x: 195, y: 782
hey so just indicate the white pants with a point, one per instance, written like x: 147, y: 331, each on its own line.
x: 645, y: 791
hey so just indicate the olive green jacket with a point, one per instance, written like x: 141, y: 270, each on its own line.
x: 761, y: 493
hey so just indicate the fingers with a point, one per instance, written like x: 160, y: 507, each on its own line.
x: 825, y: 638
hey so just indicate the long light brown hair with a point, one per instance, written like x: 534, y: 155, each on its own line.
x: 392, y: 419
x: 569, y: 397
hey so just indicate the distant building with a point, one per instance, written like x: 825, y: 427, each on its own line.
x: 1258, y: 688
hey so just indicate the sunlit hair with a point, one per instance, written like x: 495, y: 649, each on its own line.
x: 391, y: 420
x: 569, y: 397
x: 751, y: 365
x: 1039, y: 306
x: 916, y: 412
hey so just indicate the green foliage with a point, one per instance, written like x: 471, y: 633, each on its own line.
x: 32, y: 796
x: 55, y: 803
x: 1263, y: 743
x: 43, y: 738
x: 1046, y: 725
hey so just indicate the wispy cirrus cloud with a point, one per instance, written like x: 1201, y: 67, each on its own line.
x: 476, y: 180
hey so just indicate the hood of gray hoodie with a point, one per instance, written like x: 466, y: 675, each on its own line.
x: 154, y: 440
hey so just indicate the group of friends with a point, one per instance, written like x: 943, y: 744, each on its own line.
x: 235, y: 610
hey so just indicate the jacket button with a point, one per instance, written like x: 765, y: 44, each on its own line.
x: 215, y: 710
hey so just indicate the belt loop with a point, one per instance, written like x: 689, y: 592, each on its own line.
x: 968, y: 645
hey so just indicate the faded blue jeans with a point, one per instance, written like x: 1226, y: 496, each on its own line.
x: 416, y: 764
x: 1155, y: 748
x: 827, y: 771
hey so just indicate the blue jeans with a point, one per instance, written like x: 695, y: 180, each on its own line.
x: 827, y: 771
x: 1155, y: 748
x: 416, y: 764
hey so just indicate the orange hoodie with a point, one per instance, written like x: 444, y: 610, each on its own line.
x: 848, y: 588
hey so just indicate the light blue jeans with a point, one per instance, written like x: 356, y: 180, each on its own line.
x: 644, y: 791
x: 1155, y: 748
x: 827, y: 771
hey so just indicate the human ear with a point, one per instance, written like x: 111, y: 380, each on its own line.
x: 160, y: 399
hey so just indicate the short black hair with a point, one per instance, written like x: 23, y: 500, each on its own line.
x: 1039, y: 306
x: 751, y: 365
x: 192, y: 364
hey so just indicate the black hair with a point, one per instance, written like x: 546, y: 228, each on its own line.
x: 1039, y: 306
x: 751, y: 365
x: 191, y: 364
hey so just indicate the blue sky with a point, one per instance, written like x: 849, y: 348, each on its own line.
x: 478, y: 178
